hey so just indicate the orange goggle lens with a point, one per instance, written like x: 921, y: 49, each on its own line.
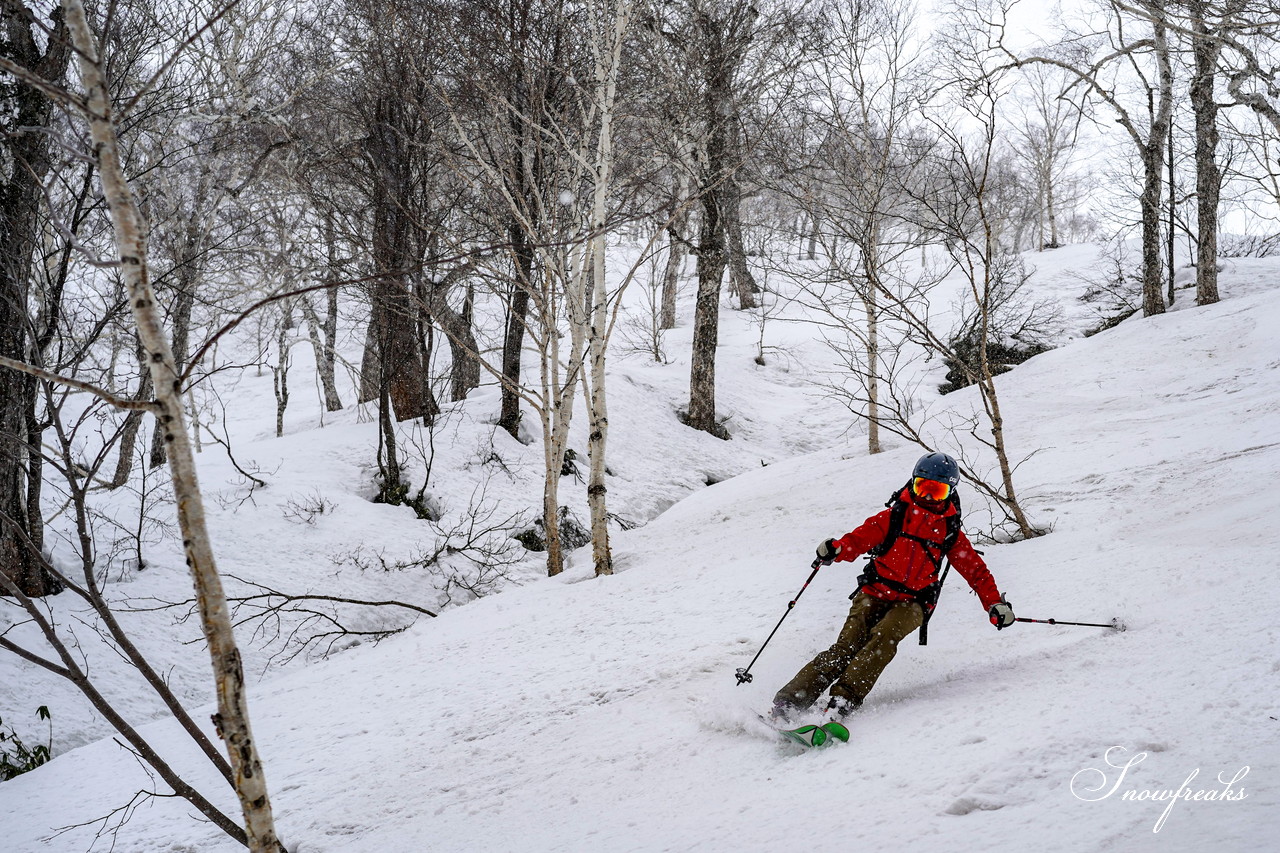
x: 931, y: 489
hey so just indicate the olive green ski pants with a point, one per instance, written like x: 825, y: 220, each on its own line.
x: 864, y: 648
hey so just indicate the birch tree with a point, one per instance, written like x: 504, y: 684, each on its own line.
x: 718, y: 61
x: 960, y: 203
x: 1129, y: 53
x: 1046, y: 128
x: 608, y: 24
x: 96, y: 108
x: 869, y: 87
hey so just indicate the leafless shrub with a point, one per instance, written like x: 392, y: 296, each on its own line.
x: 468, y: 557
x: 1113, y: 286
x: 642, y: 331
x: 1016, y: 326
x: 1249, y: 245
x: 305, y: 509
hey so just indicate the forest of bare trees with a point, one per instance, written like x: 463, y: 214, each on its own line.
x: 467, y: 190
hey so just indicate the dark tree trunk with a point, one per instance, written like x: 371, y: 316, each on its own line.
x: 712, y: 259
x: 388, y: 460
x: 187, y: 281
x: 1208, y: 175
x: 24, y: 159
x: 712, y: 254
x: 399, y: 351
x: 725, y: 34
x: 1153, y: 155
x: 1149, y: 204
x: 744, y: 283
x: 397, y: 257
x: 513, y: 343
x: 706, y: 317
x: 464, y: 374
x: 132, y: 424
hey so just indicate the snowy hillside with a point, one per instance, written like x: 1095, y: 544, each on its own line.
x: 602, y: 714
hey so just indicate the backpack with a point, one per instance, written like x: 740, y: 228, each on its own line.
x: 926, y: 596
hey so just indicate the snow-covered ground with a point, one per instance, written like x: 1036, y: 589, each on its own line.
x: 602, y: 714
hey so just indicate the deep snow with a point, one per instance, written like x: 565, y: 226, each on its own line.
x: 584, y: 714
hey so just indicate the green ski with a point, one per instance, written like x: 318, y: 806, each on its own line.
x: 817, y: 737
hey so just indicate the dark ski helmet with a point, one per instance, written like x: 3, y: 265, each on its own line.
x: 939, y: 467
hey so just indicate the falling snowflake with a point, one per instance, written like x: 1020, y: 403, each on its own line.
x: 567, y: 198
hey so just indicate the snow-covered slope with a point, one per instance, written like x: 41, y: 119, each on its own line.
x: 581, y: 714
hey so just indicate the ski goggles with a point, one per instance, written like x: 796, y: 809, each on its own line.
x: 931, y: 489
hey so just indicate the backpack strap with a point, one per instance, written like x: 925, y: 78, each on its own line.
x: 897, y: 514
x: 927, y: 596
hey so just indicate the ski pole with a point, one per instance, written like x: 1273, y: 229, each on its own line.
x: 744, y: 673
x: 1114, y: 624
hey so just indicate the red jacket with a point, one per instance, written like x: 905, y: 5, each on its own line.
x: 907, y: 562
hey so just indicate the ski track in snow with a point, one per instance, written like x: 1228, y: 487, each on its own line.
x: 577, y: 714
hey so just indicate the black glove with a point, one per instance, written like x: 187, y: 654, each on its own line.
x: 1001, y: 614
x: 827, y: 552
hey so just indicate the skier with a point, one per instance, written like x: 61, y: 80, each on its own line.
x: 898, y: 590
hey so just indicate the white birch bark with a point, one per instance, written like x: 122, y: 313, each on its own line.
x: 559, y: 384
x: 608, y: 59
x: 233, y: 715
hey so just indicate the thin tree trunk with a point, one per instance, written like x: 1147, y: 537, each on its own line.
x: 392, y: 490
x: 463, y: 348
x: 550, y: 513
x: 183, y: 303
x: 424, y: 332
x: 323, y: 347
x: 132, y: 424
x: 327, y: 332
x: 232, y: 718
x: 370, y: 366
x: 871, y: 304
x: 557, y: 414
x: 1051, y: 213
x: 1152, y: 155
x: 739, y: 273
x: 873, y: 380
x: 330, y: 329
x: 280, y: 373
x: 987, y: 383
x: 1171, y: 233
x: 513, y: 342
x: 676, y: 253
x: 560, y: 379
